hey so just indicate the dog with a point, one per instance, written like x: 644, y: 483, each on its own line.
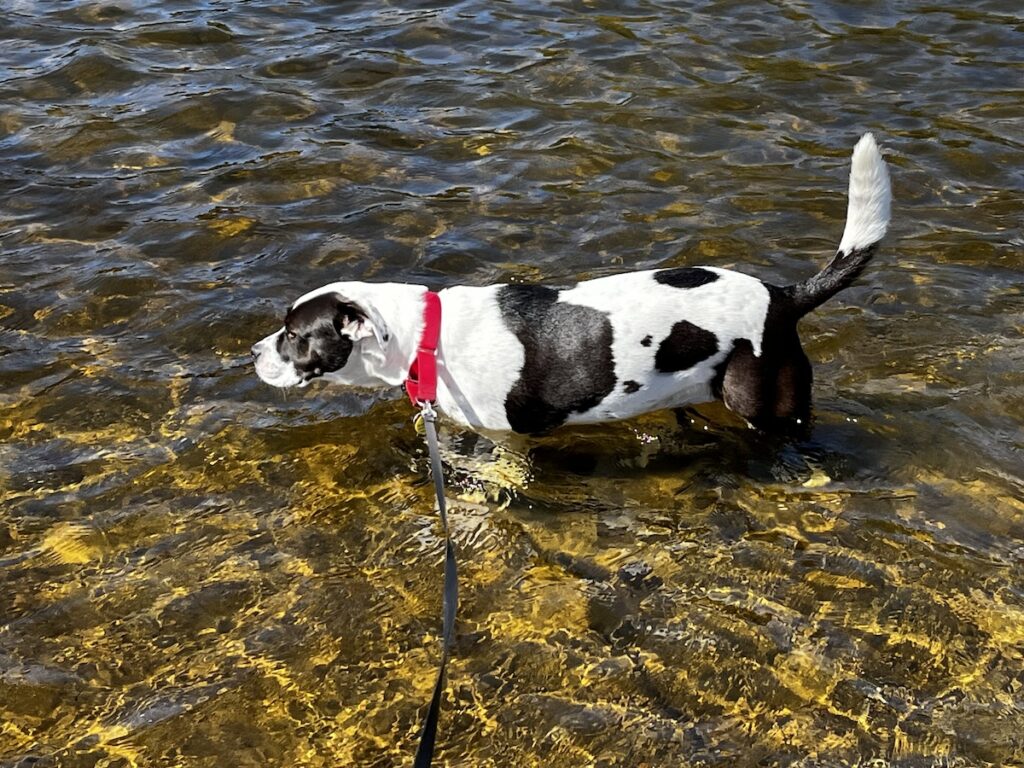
x: 531, y: 358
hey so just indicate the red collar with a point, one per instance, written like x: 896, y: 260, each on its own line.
x: 421, y: 383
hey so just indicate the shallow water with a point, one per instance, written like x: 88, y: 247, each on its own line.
x: 199, y: 571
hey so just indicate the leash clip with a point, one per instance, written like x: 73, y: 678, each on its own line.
x: 424, y: 414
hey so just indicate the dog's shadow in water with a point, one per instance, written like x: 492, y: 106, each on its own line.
x: 687, y: 451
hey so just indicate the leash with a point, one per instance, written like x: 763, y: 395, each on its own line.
x: 421, y: 385
x: 425, y: 752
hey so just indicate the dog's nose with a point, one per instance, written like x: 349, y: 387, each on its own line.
x: 255, y: 349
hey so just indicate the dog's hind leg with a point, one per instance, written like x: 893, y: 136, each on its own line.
x: 793, y: 380
x: 771, y: 391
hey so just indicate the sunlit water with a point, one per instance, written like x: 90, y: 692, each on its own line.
x: 196, y: 570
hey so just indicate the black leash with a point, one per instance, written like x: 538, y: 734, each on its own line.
x: 425, y: 751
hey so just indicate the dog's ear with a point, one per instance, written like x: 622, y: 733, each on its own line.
x: 359, y: 321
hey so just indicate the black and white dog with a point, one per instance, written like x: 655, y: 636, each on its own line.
x: 529, y: 358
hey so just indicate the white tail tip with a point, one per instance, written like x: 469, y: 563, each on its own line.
x: 867, y: 216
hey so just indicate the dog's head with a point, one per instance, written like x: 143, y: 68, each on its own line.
x: 325, y: 335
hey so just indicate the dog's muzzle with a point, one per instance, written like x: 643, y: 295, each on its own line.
x: 272, y: 368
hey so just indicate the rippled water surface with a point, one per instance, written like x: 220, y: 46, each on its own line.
x: 196, y: 570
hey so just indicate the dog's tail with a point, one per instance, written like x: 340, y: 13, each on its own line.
x: 866, y: 221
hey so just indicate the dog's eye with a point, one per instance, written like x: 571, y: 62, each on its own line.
x: 291, y: 335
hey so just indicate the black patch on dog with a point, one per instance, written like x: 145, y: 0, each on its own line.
x: 646, y: 341
x: 685, y: 277
x: 312, y: 340
x: 631, y: 386
x: 684, y: 347
x: 568, y: 366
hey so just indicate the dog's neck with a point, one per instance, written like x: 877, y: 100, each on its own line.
x: 400, y: 306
